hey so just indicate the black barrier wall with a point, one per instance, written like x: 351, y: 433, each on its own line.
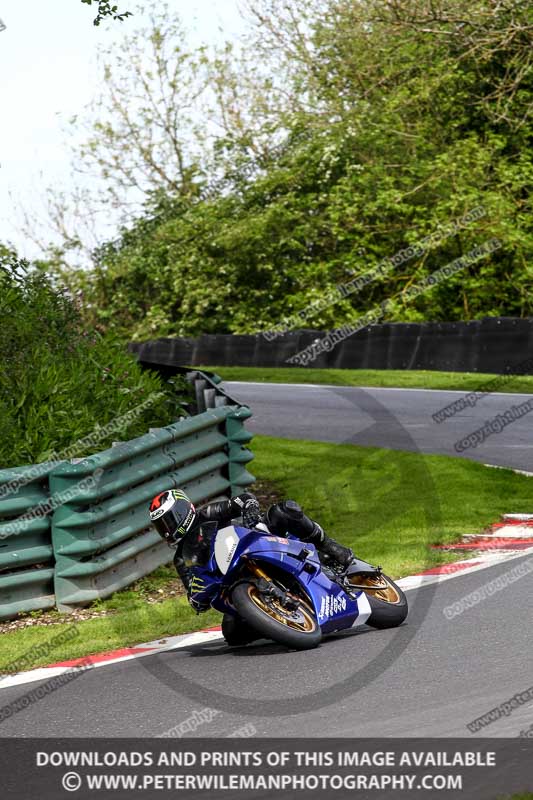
x: 493, y: 344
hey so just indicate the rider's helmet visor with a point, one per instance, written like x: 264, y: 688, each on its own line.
x: 172, y: 515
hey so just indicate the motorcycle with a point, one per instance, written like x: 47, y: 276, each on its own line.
x: 289, y: 592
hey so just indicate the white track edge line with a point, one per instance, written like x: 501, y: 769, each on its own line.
x: 377, y: 388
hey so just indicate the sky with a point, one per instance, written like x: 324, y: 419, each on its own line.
x: 47, y: 75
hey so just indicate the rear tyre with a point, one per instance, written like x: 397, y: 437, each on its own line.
x: 297, y: 629
x: 387, y: 601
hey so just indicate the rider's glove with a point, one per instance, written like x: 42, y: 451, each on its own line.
x: 247, y: 507
x: 251, y: 513
x: 198, y: 606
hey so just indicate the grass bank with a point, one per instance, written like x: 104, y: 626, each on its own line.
x: 387, y: 505
x: 128, y: 617
x: 388, y: 378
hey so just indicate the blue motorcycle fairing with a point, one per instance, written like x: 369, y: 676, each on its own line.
x: 334, y: 608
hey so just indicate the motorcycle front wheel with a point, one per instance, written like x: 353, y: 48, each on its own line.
x: 297, y: 629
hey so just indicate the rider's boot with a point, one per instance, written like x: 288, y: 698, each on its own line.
x: 329, y: 547
x: 342, y: 554
x: 288, y: 516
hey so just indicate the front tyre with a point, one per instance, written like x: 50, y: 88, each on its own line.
x: 387, y: 601
x: 297, y: 629
x: 237, y: 632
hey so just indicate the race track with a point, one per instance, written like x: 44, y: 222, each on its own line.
x: 400, y: 419
x: 428, y: 678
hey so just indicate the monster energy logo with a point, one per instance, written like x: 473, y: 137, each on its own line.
x: 197, y: 585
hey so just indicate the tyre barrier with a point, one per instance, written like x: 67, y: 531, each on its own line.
x: 493, y: 345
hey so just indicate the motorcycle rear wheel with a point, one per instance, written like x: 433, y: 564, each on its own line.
x: 297, y: 629
x: 387, y: 601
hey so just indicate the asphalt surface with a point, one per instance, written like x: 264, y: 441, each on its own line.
x: 400, y: 419
x: 428, y: 678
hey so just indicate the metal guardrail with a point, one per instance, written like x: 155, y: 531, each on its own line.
x: 99, y: 540
x: 26, y: 554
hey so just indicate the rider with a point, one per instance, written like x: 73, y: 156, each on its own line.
x: 188, y: 529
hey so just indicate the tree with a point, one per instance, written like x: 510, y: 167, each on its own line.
x: 142, y: 132
x: 346, y: 132
x: 141, y: 136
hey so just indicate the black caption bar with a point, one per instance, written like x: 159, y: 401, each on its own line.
x: 54, y: 769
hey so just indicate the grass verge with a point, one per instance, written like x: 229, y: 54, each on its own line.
x: 388, y: 378
x: 130, y: 619
x: 387, y: 505
x: 526, y: 796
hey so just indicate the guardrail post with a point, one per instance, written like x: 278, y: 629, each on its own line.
x: 239, y: 455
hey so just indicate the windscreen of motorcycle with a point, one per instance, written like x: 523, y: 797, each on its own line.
x: 225, y: 546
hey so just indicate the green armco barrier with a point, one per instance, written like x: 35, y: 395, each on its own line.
x: 26, y: 554
x: 239, y: 455
x: 29, y: 549
x: 151, y: 454
x: 101, y: 535
x: 29, y: 590
x: 122, y: 515
x: 71, y: 533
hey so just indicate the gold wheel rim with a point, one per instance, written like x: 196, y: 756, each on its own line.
x: 275, y: 610
x: 372, y: 585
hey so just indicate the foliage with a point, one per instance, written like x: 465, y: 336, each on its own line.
x: 394, y: 118
x: 61, y: 380
x: 140, y: 139
x: 141, y: 132
x: 105, y: 9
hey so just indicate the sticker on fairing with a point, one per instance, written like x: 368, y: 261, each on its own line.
x: 332, y: 605
x: 225, y: 546
x: 364, y: 610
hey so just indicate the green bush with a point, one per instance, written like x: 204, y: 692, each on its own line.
x: 60, y: 381
x: 399, y: 125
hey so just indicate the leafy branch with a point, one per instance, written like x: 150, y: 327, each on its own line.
x: 105, y: 9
